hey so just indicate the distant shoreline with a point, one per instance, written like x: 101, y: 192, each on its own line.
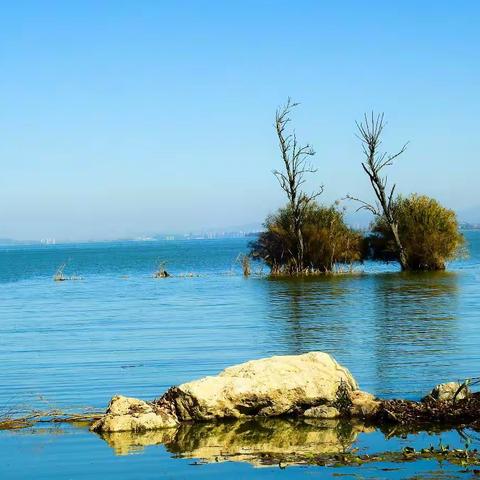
x: 6, y: 242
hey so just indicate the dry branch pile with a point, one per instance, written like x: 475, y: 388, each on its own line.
x: 464, y: 412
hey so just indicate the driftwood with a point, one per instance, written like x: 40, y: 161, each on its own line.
x: 455, y: 413
x: 15, y: 422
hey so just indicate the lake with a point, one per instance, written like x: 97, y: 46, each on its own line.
x: 74, y: 344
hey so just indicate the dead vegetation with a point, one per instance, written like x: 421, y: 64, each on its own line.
x: 455, y: 413
x: 244, y: 261
x: 60, y: 276
x: 13, y: 419
x: 161, y: 271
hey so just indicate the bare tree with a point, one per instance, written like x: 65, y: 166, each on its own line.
x: 295, y: 159
x: 370, y: 132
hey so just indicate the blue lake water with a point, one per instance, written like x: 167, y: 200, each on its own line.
x: 118, y: 330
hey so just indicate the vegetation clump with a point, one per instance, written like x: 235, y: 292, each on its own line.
x: 244, y: 261
x: 15, y: 420
x: 60, y: 275
x: 327, y: 241
x: 161, y: 271
x: 429, y: 234
x: 463, y: 412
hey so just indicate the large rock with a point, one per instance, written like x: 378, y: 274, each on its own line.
x: 281, y: 385
x: 267, y: 387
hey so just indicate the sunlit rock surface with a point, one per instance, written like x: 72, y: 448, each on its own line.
x: 281, y: 385
x: 267, y: 387
x: 130, y: 414
x: 448, y: 391
x: 249, y: 440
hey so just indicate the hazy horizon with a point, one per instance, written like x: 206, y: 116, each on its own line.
x: 354, y: 219
x: 129, y: 119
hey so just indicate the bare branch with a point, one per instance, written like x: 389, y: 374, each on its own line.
x: 364, y: 205
x: 369, y: 132
x: 295, y: 159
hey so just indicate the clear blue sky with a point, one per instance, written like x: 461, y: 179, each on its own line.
x: 122, y: 118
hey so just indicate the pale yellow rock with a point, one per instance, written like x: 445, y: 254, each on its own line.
x: 447, y: 391
x: 130, y: 414
x: 266, y: 387
x: 363, y: 404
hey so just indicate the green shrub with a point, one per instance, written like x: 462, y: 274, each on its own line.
x: 327, y: 241
x: 428, y: 232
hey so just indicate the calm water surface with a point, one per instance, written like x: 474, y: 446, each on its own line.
x: 117, y: 330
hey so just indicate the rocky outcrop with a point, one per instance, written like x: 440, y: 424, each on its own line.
x: 267, y: 387
x: 129, y: 414
x: 312, y: 385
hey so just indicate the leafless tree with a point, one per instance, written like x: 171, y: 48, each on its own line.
x: 370, y: 132
x: 296, y: 165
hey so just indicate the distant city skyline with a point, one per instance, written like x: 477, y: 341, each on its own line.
x: 124, y: 119
x: 253, y: 230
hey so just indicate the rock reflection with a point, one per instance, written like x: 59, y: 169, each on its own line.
x: 251, y: 440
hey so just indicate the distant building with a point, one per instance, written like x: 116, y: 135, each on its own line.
x: 48, y: 241
x: 469, y: 226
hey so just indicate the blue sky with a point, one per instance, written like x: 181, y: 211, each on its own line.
x: 123, y: 118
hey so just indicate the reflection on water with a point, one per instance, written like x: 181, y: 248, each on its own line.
x: 244, y: 440
x: 302, y: 308
x: 375, y: 324
x: 228, y: 450
x: 415, y: 317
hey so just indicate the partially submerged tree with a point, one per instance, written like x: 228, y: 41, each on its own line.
x: 327, y: 241
x: 429, y: 233
x: 370, y: 132
x: 416, y: 231
x: 296, y: 164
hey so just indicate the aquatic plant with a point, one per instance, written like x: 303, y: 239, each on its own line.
x: 343, y: 402
x: 428, y: 231
x: 244, y: 261
x: 60, y: 276
x: 161, y: 271
x: 327, y: 241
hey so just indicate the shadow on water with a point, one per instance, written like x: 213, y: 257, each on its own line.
x: 248, y: 440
